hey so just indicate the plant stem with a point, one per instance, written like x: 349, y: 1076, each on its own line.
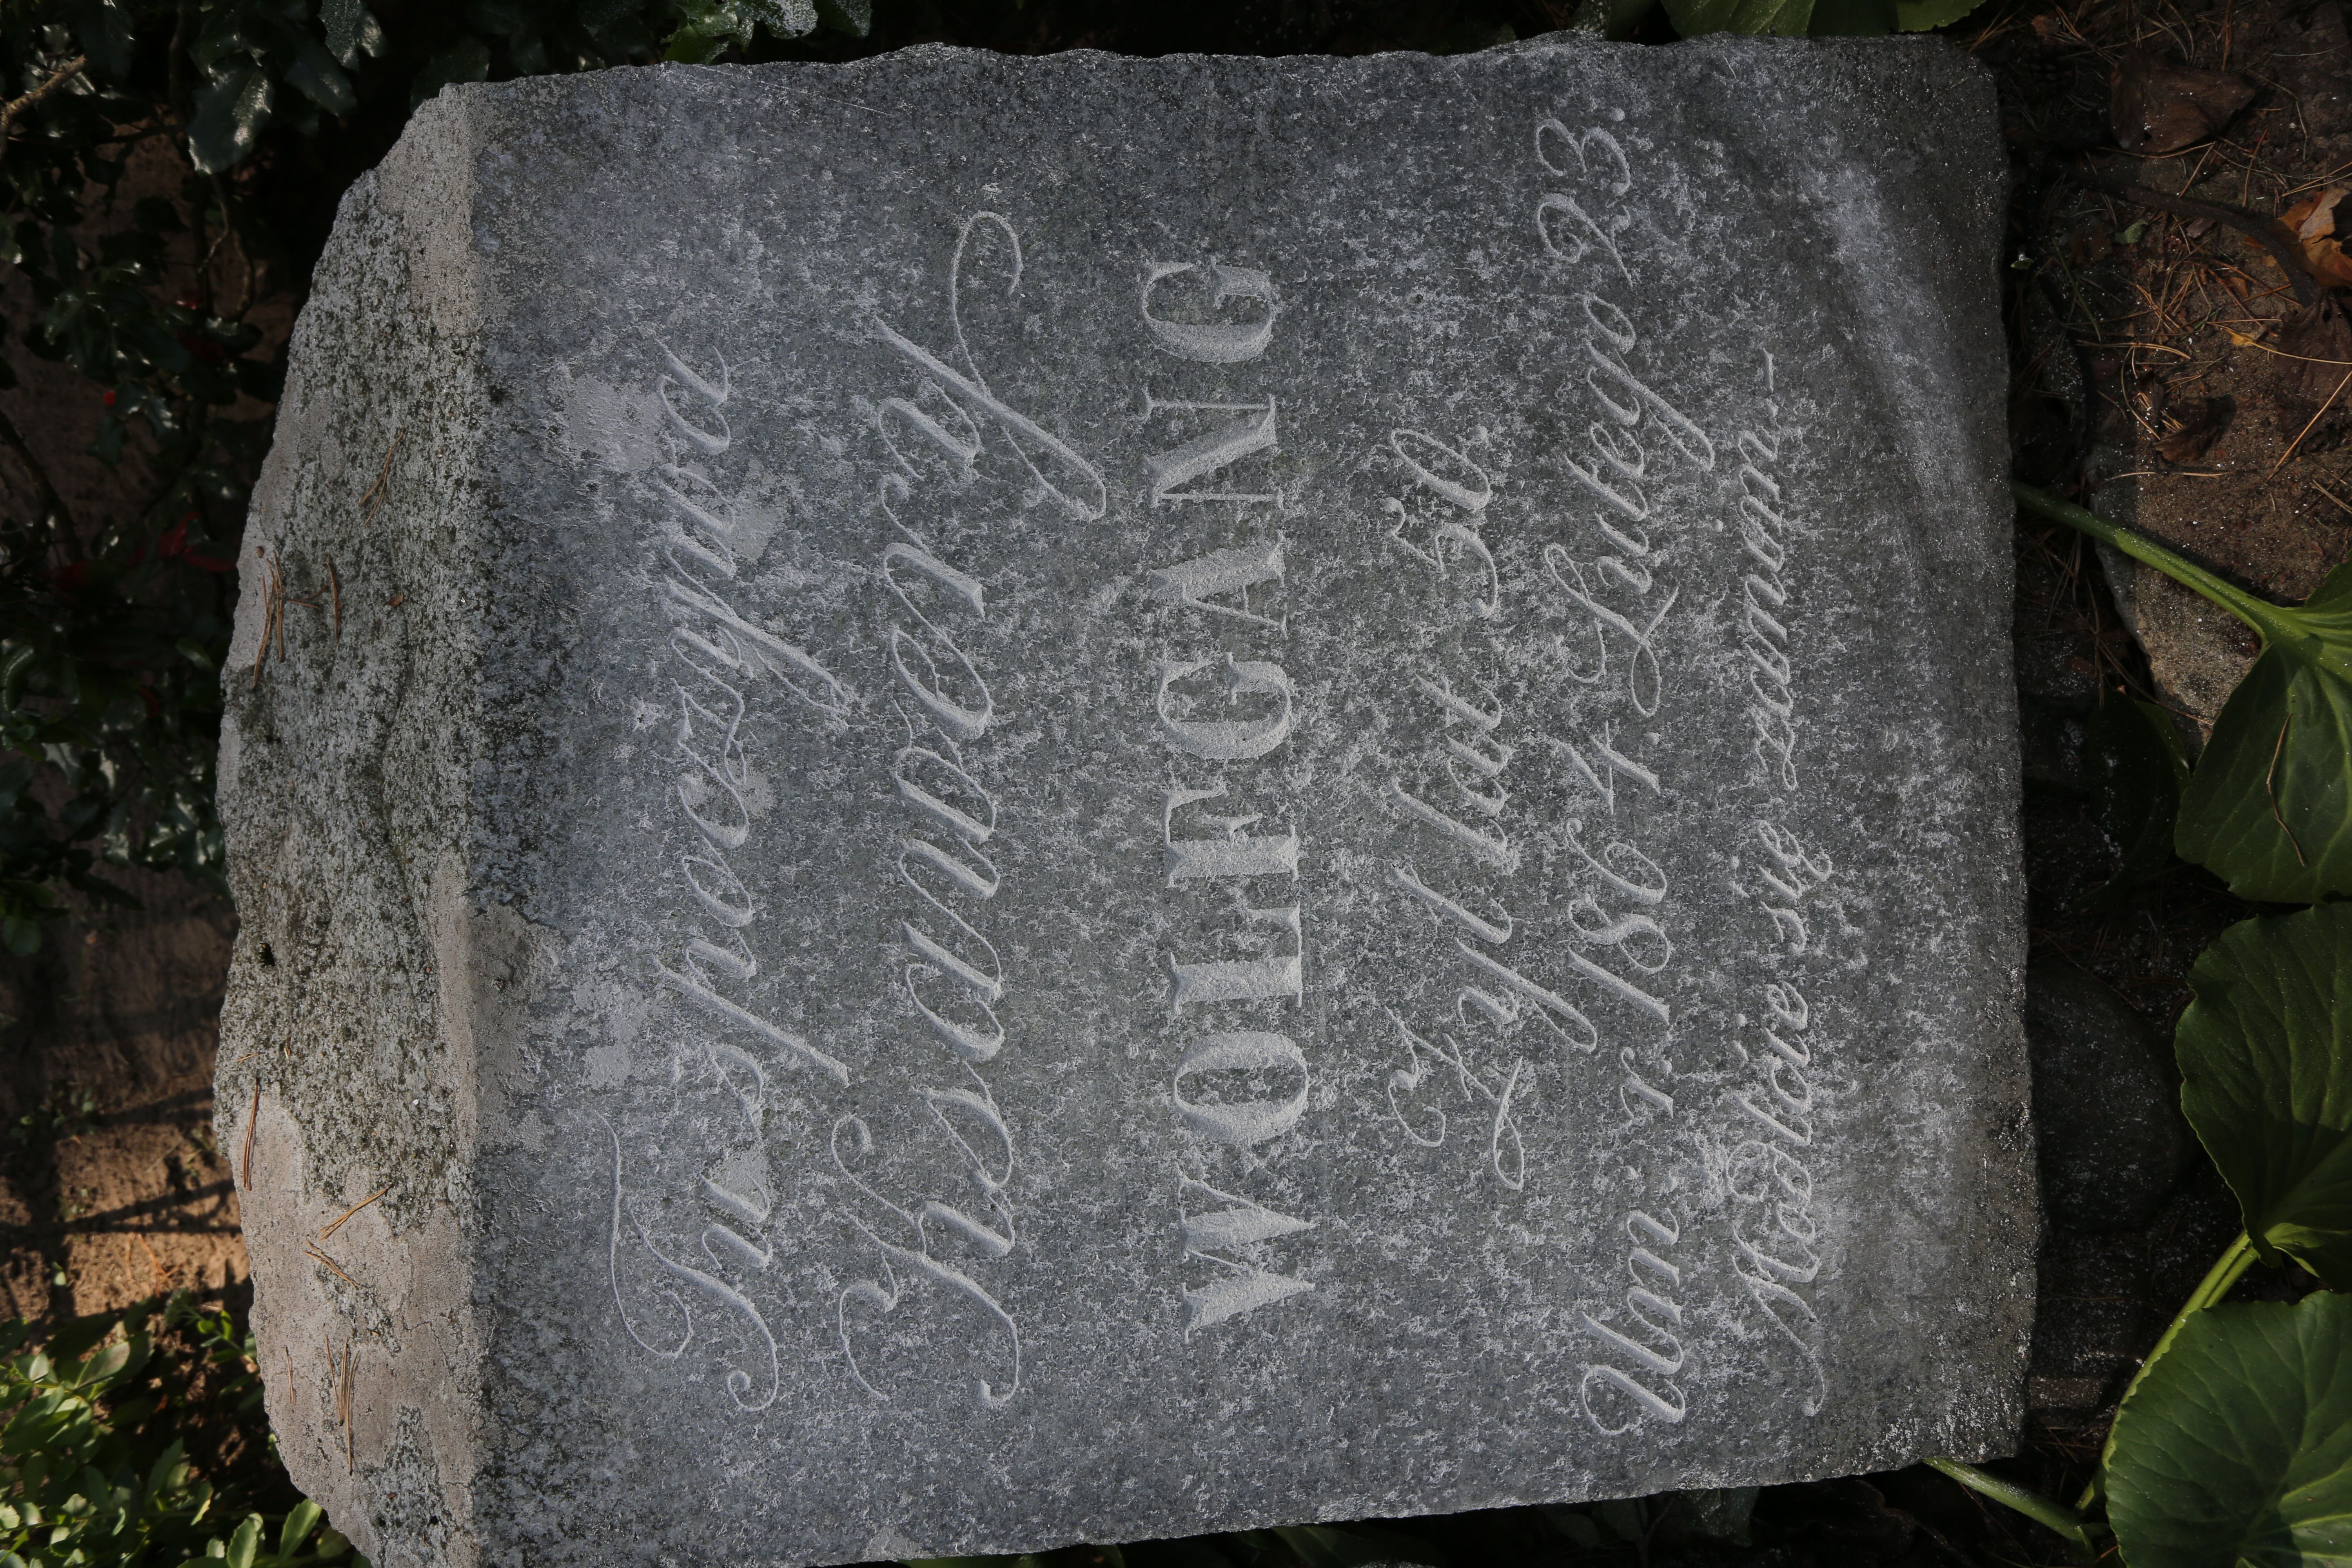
x: 2024, y: 1500
x: 2227, y: 1271
x: 16, y: 106
x: 2259, y: 614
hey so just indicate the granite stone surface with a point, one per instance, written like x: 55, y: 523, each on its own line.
x: 978, y: 802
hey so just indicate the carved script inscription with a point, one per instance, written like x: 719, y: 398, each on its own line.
x: 716, y: 653
x: 935, y: 435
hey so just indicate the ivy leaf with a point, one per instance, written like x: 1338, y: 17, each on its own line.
x: 2270, y: 805
x: 2237, y: 1445
x: 1788, y: 18
x: 316, y: 77
x: 2266, y: 1053
x: 857, y: 16
x: 231, y: 110
x: 19, y: 935
x: 468, y: 59
x: 351, y: 30
x: 102, y: 27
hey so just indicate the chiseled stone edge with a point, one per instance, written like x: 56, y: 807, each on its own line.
x: 345, y: 785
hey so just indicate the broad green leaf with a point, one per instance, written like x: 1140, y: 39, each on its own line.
x: 784, y: 18
x: 246, y: 1543
x: 231, y: 110
x: 2137, y: 770
x: 2237, y: 1445
x: 1195, y: 1552
x: 1788, y: 18
x: 348, y: 29
x: 2270, y: 805
x: 298, y: 1527
x: 1354, y: 1545
x: 857, y: 16
x: 468, y: 59
x: 1852, y: 18
x: 1579, y: 1528
x: 2266, y: 1056
x: 1919, y: 16
x: 102, y: 27
x: 169, y: 1470
x: 316, y: 77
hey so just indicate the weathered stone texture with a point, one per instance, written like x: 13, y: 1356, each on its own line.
x: 1093, y: 798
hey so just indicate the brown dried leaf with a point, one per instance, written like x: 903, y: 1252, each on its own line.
x: 2157, y: 109
x: 2201, y: 423
x: 2313, y: 221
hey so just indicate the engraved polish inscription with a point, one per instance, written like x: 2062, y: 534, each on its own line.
x: 716, y: 653
x: 1234, y: 714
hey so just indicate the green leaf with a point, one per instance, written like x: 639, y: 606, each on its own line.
x: 857, y: 16
x: 316, y: 77
x: 350, y: 29
x: 1194, y: 1551
x: 2237, y: 1447
x: 1789, y: 18
x: 2137, y: 770
x: 231, y: 110
x: 246, y: 1543
x: 2270, y: 805
x: 102, y: 27
x: 468, y: 59
x: 1355, y: 1545
x: 1853, y: 18
x: 1919, y: 16
x: 13, y: 667
x: 298, y: 1527
x: 19, y: 935
x: 2266, y: 1053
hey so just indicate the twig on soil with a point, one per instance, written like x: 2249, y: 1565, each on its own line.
x: 2307, y: 424
x: 2331, y: 495
x: 2134, y: 344
x: 2254, y: 227
x: 161, y: 1274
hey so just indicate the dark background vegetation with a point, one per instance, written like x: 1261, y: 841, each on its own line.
x: 166, y: 199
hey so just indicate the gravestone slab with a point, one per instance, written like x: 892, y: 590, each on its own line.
x: 978, y: 802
